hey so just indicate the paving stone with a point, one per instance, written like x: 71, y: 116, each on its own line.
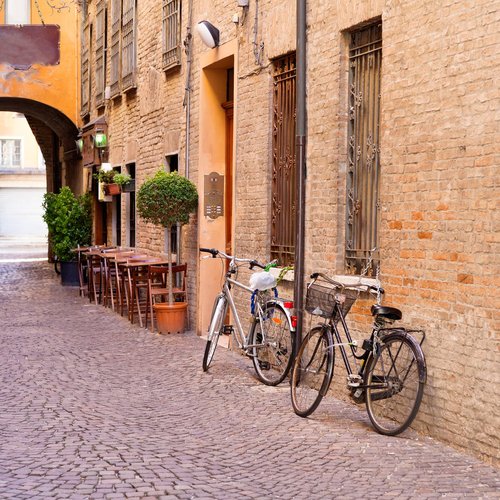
x: 94, y: 407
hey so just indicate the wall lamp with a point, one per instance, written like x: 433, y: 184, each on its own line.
x: 79, y: 144
x: 100, y: 139
x: 208, y: 33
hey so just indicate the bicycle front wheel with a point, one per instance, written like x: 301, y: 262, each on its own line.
x: 272, y: 341
x: 214, y: 330
x: 394, y: 381
x: 312, y: 371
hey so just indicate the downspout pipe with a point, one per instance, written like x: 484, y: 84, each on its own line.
x: 300, y: 188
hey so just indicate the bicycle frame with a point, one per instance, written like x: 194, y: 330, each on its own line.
x: 353, y: 344
x: 241, y: 338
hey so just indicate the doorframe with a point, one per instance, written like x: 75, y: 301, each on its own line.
x: 212, y: 158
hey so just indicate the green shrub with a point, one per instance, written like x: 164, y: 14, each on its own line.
x: 69, y: 221
x: 166, y: 199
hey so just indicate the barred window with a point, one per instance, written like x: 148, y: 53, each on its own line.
x: 10, y: 152
x: 283, y: 175
x: 362, y: 238
x: 100, y: 52
x: 171, y: 33
x: 85, y: 71
x: 128, y: 45
x: 116, y: 21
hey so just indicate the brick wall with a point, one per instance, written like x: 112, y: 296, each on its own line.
x: 439, y: 164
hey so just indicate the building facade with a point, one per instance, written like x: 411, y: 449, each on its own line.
x: 402, y: 160
x: 39, y: 54
x: 22, y: 177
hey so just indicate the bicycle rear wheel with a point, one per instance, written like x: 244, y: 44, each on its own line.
x: 214, y: 330
x: 395, y: 382
x: 272, y: 353
x: 312, y: 371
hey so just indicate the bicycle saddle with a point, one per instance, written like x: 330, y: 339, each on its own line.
x: 386, y: 312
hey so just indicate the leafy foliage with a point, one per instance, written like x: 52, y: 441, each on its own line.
x: 122, y: 179
x: 166, y: 199
x: 106, y: 176
x: 69, y: 221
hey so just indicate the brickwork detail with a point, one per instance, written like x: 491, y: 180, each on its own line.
x: 439, y: 135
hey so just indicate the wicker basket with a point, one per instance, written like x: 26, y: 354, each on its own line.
x: 321, y: 299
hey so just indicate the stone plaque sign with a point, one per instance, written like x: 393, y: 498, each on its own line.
x: 214, y: 195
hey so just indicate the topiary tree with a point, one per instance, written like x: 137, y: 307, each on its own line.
x: 165, y: 200
x: 69, y: 221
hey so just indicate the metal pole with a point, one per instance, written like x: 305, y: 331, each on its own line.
x: 301, y: 169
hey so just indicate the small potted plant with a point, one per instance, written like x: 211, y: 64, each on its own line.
x: 106, y: 177
x: 69, y: 221
x: 125, y: 182
x: 165, y: 200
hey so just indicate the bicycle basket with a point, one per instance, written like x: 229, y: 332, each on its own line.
x: 321, y: 299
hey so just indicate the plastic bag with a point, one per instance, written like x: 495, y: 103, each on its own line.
x: 262, y: 281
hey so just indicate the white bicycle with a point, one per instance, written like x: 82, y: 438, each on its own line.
x: 270, y: 339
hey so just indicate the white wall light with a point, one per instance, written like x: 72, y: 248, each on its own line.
x: 208, y: 33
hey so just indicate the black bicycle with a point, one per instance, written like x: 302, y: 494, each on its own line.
x: 390, y: 366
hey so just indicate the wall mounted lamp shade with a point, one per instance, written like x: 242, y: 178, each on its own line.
x: 208, y: 33
x: 79, y: 144
x: 100, y: 140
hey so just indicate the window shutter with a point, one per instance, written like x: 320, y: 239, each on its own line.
x: 100, y: 64
x: 128, y: 45
x: 85, y: 72
x: 116, y: 18
x: 171, y: 31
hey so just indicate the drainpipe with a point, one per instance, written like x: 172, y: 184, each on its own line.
x: 300, y: 188
x: 188, y: 44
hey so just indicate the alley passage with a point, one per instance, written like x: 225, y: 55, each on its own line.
x: 94, y: 407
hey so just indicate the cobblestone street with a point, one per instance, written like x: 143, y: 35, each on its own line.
x: 94, y: 407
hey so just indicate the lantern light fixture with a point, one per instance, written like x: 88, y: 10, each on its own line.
x: 100, y: 139
x: 208, y: 33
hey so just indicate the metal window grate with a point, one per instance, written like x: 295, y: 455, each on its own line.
x: 365, y: 58
x: 171, y: 33
x: 283, y: 174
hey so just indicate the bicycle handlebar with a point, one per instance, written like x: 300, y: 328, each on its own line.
x: 367, y: 287
x: 253, y: 263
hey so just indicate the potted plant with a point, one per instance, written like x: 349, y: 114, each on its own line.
x: 107, y: 178
x: 125, y: 182
x: 69, y: 221
x: 165, y: 200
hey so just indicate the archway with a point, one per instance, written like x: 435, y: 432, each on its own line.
x: 22, y: 182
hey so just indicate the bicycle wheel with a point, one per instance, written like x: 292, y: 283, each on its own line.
x: 214, y: 330
x: 272, y: 341
x: 395, y: 382
x: 312, y: 371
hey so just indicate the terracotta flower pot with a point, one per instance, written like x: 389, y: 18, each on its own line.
x: 112, y: 189
x: 170, y: 318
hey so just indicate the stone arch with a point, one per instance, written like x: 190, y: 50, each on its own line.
x: 56, y: 135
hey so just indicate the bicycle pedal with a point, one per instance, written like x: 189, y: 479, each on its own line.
x: 354, y: 380
x: 228, y: 330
